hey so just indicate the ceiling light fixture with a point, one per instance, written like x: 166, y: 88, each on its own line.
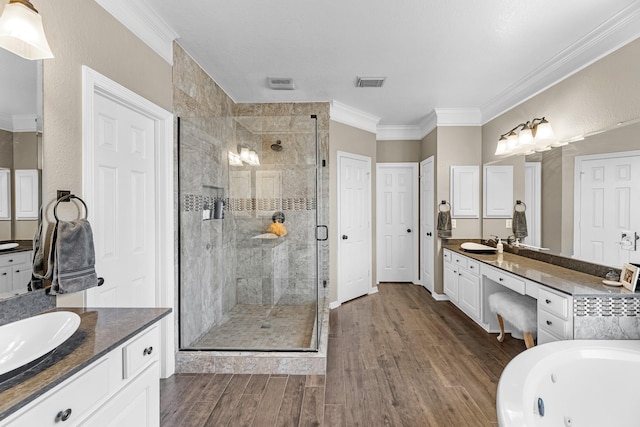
x: 21, y: 31
x: 526, y: 138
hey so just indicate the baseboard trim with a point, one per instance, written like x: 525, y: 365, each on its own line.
x: 439, y: 297
x: 373, y: 290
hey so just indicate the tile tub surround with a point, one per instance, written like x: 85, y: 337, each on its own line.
x: 100, y: 331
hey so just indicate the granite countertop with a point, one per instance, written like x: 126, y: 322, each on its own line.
x: 23, y: 245
x: 559, y: 278
x: 100, y: 331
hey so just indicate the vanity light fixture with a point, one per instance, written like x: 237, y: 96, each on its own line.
x: 21, y: 31
x: 534, y: 136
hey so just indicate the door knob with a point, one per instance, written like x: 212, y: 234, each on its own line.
x: 429, y: 234
x: 345, y: 237
x: 408, y: 230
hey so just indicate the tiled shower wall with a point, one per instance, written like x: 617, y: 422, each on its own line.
x: 220, y: 264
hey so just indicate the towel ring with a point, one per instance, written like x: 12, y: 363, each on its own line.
x: 68, y: 197
x: 520, y: 203
x: 444, y: 203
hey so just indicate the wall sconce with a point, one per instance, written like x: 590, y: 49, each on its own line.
x: 534, y: 136
x: 21, y: 31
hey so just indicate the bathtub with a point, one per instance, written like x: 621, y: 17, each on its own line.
x: 577, y: 383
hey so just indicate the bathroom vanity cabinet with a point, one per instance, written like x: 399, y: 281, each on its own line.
x: 118, y: 388
x: 15, y: 272
x: 470, y: 279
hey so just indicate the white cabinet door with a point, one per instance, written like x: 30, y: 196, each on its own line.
x: 469, y: 293
x: 6, y: 282
x: 451, y: 282
x: 27, y: 185
x: 465, y: 191
x: 138, y: 404
x: 498, y: 191
x: 5, y: 194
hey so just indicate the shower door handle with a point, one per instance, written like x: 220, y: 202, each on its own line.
x: 326, y: 233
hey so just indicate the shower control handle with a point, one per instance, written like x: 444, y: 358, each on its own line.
x: 345, y: 237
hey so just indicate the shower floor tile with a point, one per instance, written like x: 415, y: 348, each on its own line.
x: 258, y: 327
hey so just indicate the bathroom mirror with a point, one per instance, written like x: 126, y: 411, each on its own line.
x: 20, y: 135
x: 557, y: 213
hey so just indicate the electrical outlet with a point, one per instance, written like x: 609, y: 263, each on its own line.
x: 453, y: 223
x: 508, y: 224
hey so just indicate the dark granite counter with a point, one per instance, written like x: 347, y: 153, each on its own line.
x: 100, y: 331
x: 23, y: 245
x: 559, y: 278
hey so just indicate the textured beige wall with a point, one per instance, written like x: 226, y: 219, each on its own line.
x: 398, y: 151
x: 351, y: 140
x: 80, y: 33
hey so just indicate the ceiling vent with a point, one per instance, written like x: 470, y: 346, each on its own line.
x: 280, y: 83
x: 370, y: 81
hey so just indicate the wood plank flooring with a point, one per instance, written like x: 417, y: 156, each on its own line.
x: 395, y: 358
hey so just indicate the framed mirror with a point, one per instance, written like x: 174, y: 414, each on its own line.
x: 588, y: 196
x: 20, y: 145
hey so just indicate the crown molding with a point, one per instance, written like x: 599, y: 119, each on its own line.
x: 437, y: 117
x: 344, y: 114
x: 618, y: 31
x: 145, y: 23
x: 398, y: 133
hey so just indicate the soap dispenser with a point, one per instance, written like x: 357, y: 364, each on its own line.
x: 500, y: 246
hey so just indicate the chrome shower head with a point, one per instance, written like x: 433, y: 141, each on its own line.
x: 277, y: 146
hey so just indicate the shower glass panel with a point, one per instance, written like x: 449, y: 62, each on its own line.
x: 248, y: 192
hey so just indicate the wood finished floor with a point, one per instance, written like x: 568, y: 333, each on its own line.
x: 396, y: 358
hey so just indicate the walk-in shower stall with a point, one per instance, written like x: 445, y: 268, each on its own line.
x: 251, y: 233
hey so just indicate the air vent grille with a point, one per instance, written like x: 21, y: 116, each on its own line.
x: 280, y: 83
x: 370, y: 81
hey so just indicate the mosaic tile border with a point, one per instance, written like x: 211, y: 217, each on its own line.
x: 606, y: 307
x: 195, y: 203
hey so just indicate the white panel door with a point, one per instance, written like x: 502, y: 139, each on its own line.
x: 5, y: 194
x: 607, y: 205
x: 354, y: 229
x: 124, y: 197
x: 396, y: 216
x: 27, y: 190
x: 427, y: 213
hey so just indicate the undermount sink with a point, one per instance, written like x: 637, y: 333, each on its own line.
x: 477, y: 247
x: 26, y: 340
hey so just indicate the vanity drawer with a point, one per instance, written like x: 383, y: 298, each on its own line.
x: 141, y: 352
x: 552, y: 324
x: 506, y: 280
x: 76, y: 397
x: 459, y: 260
x: 553, y: 303
x: 473, y: 267
x: 16, y: 258
x: 446, y: 255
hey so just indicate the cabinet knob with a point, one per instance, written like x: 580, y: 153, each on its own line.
x: 147, y: 351
x: 429, y: 234
x: 63, y: 415
x: 345, y: 237
x: 408, y: 230
x: 4, y: 274
x: 548, y: 301
x: 10, y: 260
x: 500, y: 279
x: 549, y: 322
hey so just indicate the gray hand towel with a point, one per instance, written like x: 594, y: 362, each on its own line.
x: 444, y: 224
x: 519, y: 224
x: 72, y: 257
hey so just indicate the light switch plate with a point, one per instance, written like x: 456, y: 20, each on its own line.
x: 508, y: 224
x: 453, y: 223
